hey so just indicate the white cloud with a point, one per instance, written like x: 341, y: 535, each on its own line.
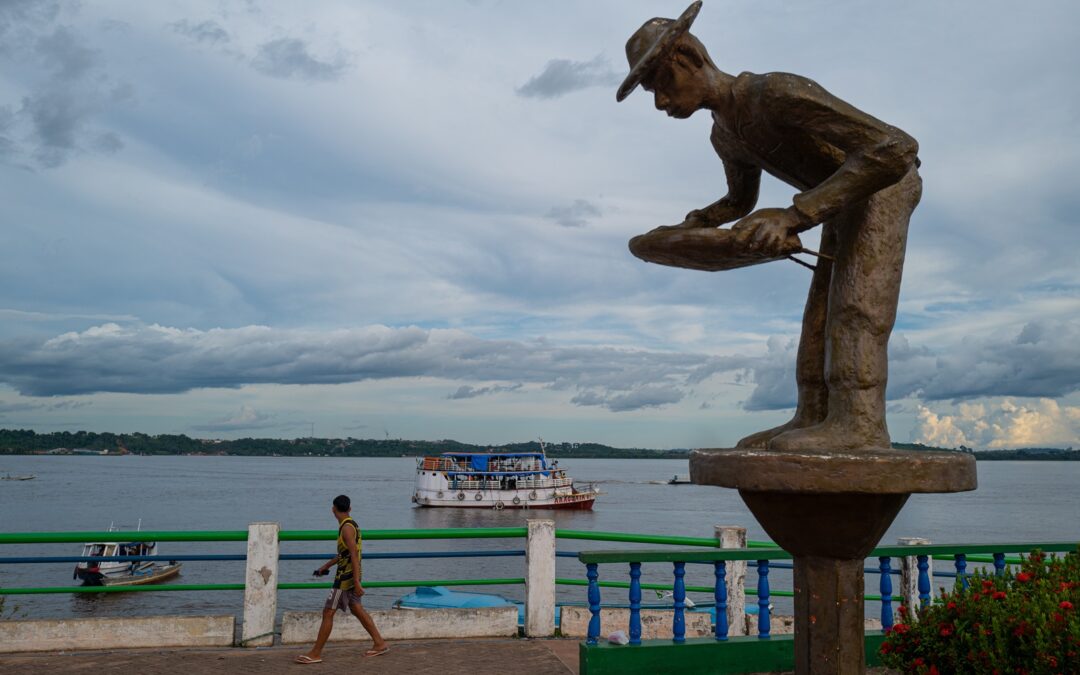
x: 245, y: 419
x: 999, y: 424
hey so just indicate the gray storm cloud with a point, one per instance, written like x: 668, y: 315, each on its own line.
x: 54, y: 118
x: 1038, y: 359
x: 465, y: 391
x: 289, y: 58
x: 575, y: 214
x: 562, y: 76
x: 1034, y: 361
x: 206, y: 32
x: 157, y: 359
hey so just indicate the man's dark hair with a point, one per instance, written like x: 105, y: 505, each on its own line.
x: 342, y: 503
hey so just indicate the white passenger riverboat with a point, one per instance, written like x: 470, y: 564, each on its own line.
x: 498, y: 480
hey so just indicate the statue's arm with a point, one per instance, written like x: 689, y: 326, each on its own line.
x: 743, y: 183
x: 877, y: 154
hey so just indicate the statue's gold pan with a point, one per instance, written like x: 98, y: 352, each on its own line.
x: 710, y: 249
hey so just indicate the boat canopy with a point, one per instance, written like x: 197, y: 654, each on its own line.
x: 493, y: 454
x: 522, y: 472
x: 479, y: 462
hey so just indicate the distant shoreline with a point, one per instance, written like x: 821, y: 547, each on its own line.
x: 28, y: 442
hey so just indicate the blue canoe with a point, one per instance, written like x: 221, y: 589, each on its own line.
x: 441, y: 597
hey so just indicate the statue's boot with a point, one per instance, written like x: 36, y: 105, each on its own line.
x: 858, y: 424
x: 812, y: 409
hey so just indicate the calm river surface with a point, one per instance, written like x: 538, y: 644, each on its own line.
x: 1016, y: 501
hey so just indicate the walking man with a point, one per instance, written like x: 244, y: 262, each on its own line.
x: 347, y: 589
x: 857, y: 177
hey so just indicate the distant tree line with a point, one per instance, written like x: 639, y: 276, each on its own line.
x: 26, y: 441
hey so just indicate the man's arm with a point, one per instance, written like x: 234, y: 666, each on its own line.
x: 348, y: 534
x: 876, y: 154
x: 743, y: 183
x: 325, y: 568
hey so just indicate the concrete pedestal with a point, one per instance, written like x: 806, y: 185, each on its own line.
x: 829, y: 510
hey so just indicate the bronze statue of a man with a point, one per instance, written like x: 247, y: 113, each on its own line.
x: 858, y: 178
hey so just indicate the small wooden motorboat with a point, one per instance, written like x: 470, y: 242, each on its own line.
x: 130, y: 572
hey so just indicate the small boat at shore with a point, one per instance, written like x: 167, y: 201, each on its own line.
x: 28, y: 476
x: 498, y: 480
x: 679, y: 480
x: 440, y: 597
x: 107, y: 571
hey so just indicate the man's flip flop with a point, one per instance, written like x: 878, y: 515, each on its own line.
x: 376, y: 652
x: 304, y: 659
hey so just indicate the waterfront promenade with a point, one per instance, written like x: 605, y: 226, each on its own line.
x: 442, y: 657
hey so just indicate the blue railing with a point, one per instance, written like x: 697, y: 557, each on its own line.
x: 764, y: 560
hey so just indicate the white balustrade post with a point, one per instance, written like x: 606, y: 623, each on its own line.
x: 260, y: 585
x: 909, y: 576
x: 732, y: 536
x: 540, y: 579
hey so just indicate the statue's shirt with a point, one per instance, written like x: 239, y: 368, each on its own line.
x: 793, y: 129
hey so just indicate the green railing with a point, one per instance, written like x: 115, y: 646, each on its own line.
x: 331, y: 535
x: 242, y: 535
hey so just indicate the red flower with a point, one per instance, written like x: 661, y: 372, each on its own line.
x: 999, y: 595
x: 1065, y: 604
x: 1058, y: 617
x: 951, y: 605
x: 900, y: 628
x: 933, y: 670
x: 919, y: 661
x: 946, y: 629
x: 1023, y: 577
x: 987, y: 584
x: 886, y: 647
x: 901, y: 610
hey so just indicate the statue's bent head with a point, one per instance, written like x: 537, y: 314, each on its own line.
x: 652, y: 44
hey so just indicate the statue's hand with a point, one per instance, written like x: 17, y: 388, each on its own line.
x: 694, y: 220
x: 769, y: 231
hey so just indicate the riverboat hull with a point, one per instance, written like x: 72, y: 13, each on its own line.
x: 146, y: 576
x: 580, y: 502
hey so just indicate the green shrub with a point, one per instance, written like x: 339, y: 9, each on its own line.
x: 1023, y: 623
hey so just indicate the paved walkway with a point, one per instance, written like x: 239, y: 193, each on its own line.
x: 434, y: 657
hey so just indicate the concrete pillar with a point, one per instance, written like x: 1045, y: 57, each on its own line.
x: 909, y: 576
x: 731, y: 536
x: 540, y: 579
x: 260, y: 585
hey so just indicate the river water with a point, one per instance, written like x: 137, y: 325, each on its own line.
x: 1016, y: 501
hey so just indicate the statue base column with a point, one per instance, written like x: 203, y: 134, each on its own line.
x: 829, y: 510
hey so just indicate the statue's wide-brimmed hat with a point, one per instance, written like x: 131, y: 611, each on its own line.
x: 653, y: 41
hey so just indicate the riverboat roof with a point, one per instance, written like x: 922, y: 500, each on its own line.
x: 493, y: 454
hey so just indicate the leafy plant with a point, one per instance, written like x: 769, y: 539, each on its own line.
x: 1024, y: 623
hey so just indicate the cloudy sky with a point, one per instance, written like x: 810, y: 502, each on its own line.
x: 409, y: 219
